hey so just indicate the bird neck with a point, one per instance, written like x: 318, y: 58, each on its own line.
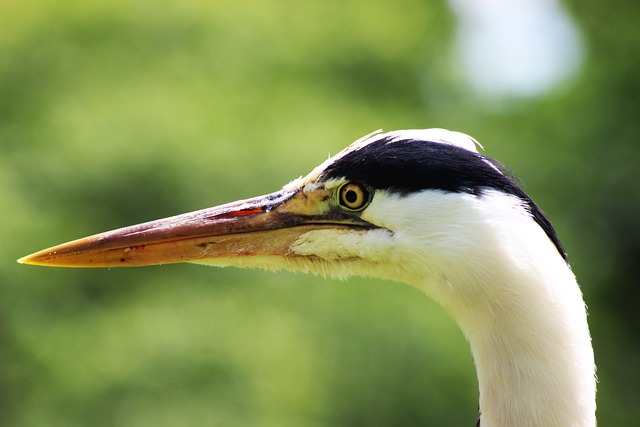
x: 531, y: 346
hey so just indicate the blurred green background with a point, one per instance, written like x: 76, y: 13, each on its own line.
x: 117, y: 112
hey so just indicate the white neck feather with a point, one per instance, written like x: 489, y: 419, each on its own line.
x: 531, y: 347
x: 518, y: 303
x: 534, y: 362
x: 499, y: 276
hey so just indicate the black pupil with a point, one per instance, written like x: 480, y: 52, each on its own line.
x: 351, y: 196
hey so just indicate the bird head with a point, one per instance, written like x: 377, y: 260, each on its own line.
x: 390, y: 205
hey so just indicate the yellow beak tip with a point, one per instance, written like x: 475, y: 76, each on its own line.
x: 33, y: 259
x: 27, y: 260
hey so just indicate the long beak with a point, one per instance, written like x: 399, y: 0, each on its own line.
x: 262, y: 226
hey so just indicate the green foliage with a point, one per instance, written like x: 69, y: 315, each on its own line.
x: 112, y: 113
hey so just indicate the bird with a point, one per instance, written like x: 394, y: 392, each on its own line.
x: 424, y: 207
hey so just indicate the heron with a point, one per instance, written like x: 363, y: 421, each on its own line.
x: 423, y: 207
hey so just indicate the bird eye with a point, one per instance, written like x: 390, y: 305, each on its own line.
x: 354, y: 197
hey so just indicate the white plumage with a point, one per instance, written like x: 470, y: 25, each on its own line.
x: 501, y: 279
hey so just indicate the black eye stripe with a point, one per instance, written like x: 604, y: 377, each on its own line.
x: 412, y: 165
